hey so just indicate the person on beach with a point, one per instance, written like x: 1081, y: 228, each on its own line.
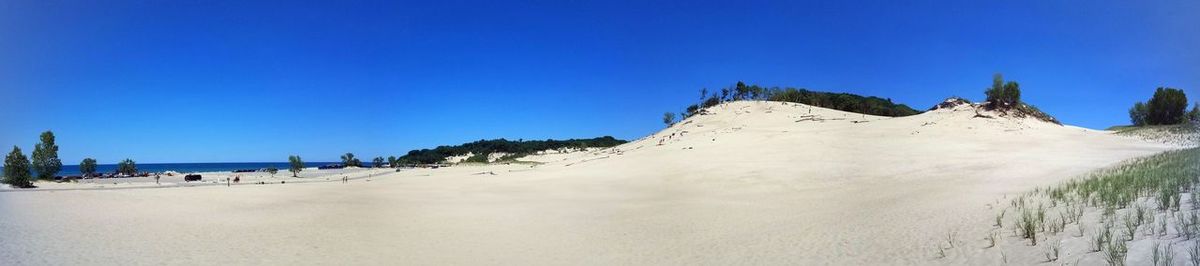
x: 156, y: 177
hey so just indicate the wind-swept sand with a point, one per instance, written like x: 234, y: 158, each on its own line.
x: 751, y: 183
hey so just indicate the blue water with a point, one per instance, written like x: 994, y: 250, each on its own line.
x: 68, y: 170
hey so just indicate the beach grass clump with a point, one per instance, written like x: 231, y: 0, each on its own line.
x: 1115, y: 251
x: 1028, y: 225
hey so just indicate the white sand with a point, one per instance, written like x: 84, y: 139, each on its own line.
x: 753, y: 183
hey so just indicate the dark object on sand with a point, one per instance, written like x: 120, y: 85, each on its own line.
x: 245, y: 171
x: 331, y: 166
x: 190, y: 178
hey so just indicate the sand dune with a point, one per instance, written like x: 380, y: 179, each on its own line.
x: 749, y: 183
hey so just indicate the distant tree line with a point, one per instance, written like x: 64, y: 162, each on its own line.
x: 1168, y: 106
x: 482, y: 148
x: 838, y: 101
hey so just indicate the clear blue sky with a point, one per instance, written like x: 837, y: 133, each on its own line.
x: 205, y: 81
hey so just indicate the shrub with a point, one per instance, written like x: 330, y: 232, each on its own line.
x: 668, y: 118
x: 391, y: 160
x: 1003, y: 95
x: 477, y: 158
x: 349, y: 160
x: 127, y: 167
x: 295, y: 165
x: 1138, y: 114
x: 377, y: 162
x: 45, y: 157
x: 272, y: 170
x: 16, y: 169
x: 87, y: 167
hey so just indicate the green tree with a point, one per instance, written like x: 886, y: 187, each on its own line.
x: 127, y: 167
x: 45, y: 157
x: 348, y: 159
x: 377, y: 162
x: 87, y: 167
x: 16, y: 169
x: 1167, y: 106
x: 295, y: 165
x: 392, y: 162
x: 668, y: 118
x: 1003, y: 95
x: 740, y: 91
x: 1138, y: 114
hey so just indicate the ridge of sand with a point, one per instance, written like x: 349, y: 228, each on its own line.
x: 749, y: 183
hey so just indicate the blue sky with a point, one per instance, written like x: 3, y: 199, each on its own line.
x: 215, y: 81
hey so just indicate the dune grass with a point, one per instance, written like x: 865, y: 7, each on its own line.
x: 1128, y: 198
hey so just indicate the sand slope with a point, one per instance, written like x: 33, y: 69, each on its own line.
x: 750, y: 183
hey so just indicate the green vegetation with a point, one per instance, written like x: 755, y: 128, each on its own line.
x: 377, y: 162
x: 272, y: 170
x: 16, y: 169
x: 669, y: 118
x: 513, y: 148
x: 127, y: 167
x: 1168, y: 106
x: 295, y: 165
x: 87, y: 167
x: 45, y: 157
x: 839, y: 101
x: 1003, y: 95
x: 349, y: 160
x: 392, y: 162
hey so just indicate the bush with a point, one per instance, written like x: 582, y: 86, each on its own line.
x: 1003, y: 95
x: 391, y: 161
x: 1138, y: 114
x: 16, y: 169
x: 477, y: 158
x: 349, y: 160
x: 668, y: 118
x: 127, y: 167
x: 377, y: 162
x: 45, y: 157
x: 87, y: 167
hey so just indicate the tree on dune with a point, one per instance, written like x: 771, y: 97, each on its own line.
x: 377, y: 162
x: 1138, y: 114
x: 87, y: 167
x: 45, y: 157
x: 668, y: 118
x: 16, y: 169
x: 1003, y: 95
x: 391, y: 160
x: 295, y: 165
x: 1167, y: 106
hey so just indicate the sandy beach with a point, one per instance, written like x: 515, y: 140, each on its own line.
x: 749, y: 183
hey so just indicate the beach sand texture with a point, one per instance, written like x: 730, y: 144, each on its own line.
x: 749, y: 183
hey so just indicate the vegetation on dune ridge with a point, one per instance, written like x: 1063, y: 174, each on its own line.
x: 839, y: 101
x: 514, y: 149
x: 1168, y: 106
x: 1003, y: 97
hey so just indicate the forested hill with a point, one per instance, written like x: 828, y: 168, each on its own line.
x: 480, y: 149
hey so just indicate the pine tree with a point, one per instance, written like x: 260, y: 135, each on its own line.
x: 16, y: 169
x: 45, y: 157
